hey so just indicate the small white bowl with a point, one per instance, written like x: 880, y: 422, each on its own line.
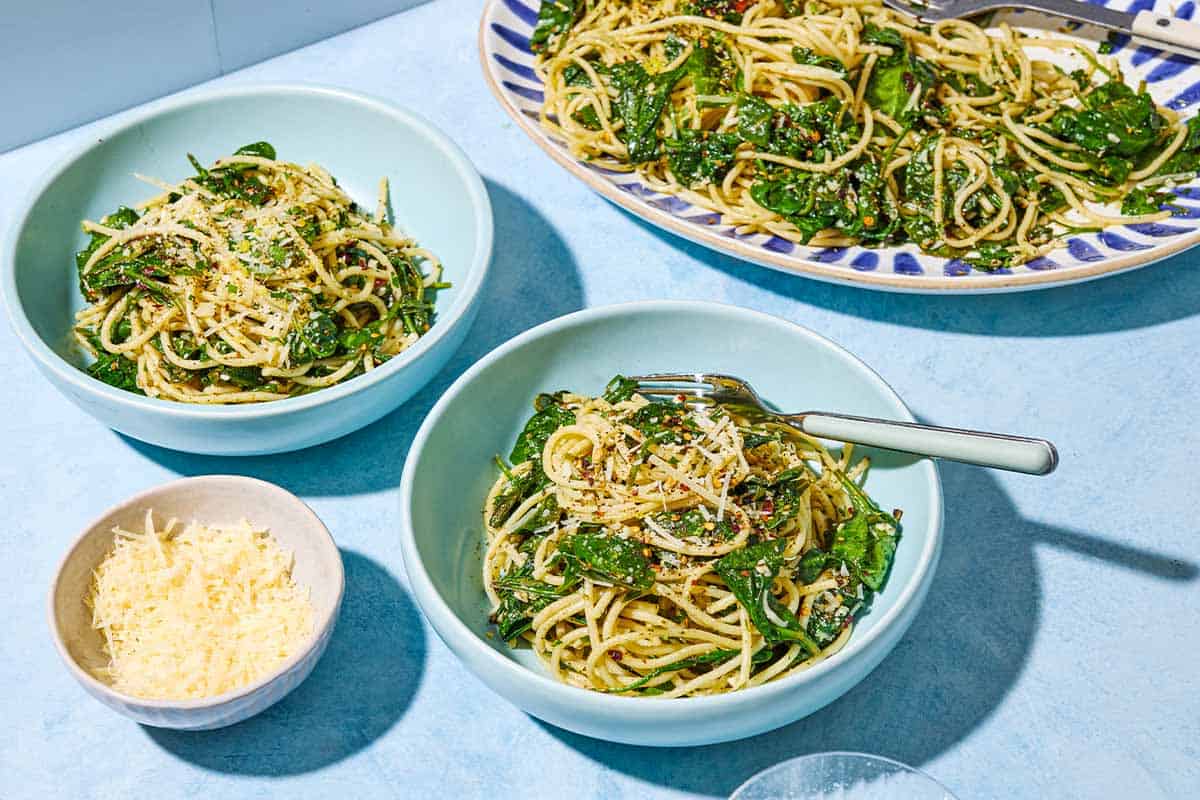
x: 210, y: 499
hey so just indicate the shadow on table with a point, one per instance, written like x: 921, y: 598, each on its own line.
x: 1166, y: 291
x: 358, y: 690
x: 965, y: 651
x: 533, y: 279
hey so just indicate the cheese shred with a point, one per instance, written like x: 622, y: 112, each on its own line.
x: 198, y: 612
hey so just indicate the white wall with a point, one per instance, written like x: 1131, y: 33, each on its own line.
x: 66, y: 62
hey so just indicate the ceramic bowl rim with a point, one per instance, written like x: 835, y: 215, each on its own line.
x: 456, y: 633
x: 321, y: 627
x: 447, y: 318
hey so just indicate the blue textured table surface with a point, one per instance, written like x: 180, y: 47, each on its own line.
x: 1057, y: 653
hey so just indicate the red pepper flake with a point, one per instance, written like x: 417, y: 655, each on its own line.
x: 615, y: 655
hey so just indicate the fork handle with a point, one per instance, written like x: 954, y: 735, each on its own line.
x: 1178, y: 35
x: 1016, y: 453
x: 1149, y: 28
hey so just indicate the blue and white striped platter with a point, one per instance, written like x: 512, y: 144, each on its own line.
x: 1173, y: 80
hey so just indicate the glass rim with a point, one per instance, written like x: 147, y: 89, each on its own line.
x: 854, y: 754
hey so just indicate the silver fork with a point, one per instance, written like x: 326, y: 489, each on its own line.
x: 1162, y: 30
x: 1016, y: 453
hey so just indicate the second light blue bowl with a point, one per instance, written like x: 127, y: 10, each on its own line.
x: 437, y: 197
x: 450, y: 468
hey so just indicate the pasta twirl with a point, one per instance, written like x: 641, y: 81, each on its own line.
x: 254, y: 280
x: 661, y: 549
x: 841, y: 122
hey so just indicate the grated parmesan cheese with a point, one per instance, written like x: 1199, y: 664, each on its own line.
x: 196, y: 613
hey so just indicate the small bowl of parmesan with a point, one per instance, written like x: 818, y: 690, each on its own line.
x: 199, y: 603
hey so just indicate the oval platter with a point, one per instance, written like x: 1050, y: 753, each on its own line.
x: 1173, y: 81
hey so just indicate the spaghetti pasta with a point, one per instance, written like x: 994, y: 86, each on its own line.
x: 653, y: 548
x: 839, y: 122
x: 254, y: 280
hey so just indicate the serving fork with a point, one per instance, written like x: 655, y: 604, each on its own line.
x: 1160, y: 30
x: 1015, y: 453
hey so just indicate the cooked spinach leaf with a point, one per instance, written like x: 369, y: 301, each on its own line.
x: 186, y: 345
x: 712, y: 73
x: 608, y: 559
x: 990, y: 256
x: 549, y: 418
x: 575, y: 75
x: 754, y: 120
x: 522, y: 596
x: 725, y: 10
x: 749, y: 574
x: 146, y: 270
x: 866, y: 541
x: 260, y: 149
x: 1143, y: 201
x: 752, y: 438
x: 826, y: 622
x: 854, y: 201
x: 114, y: 368
x: 641, y: 98
x: 694, y: 524
x: 900, y: 82
x: 1186, y: 159
x: 235, y: 180
x: 120, y: 219
x: 243, y: 377
x: 802, y: 55
x: 698, y: 157
x: 555, y: 18
x: 619, y: 389
x: 663, y: 422
x: 1113, y: 119
x: 518, y: 488
x: 316, y: 338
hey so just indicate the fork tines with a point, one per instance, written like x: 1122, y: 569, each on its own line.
x: 696, y: 385
x: 672, y: 383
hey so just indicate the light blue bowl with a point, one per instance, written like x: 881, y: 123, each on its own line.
x: 450, y: 469
x: 437, y: 197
